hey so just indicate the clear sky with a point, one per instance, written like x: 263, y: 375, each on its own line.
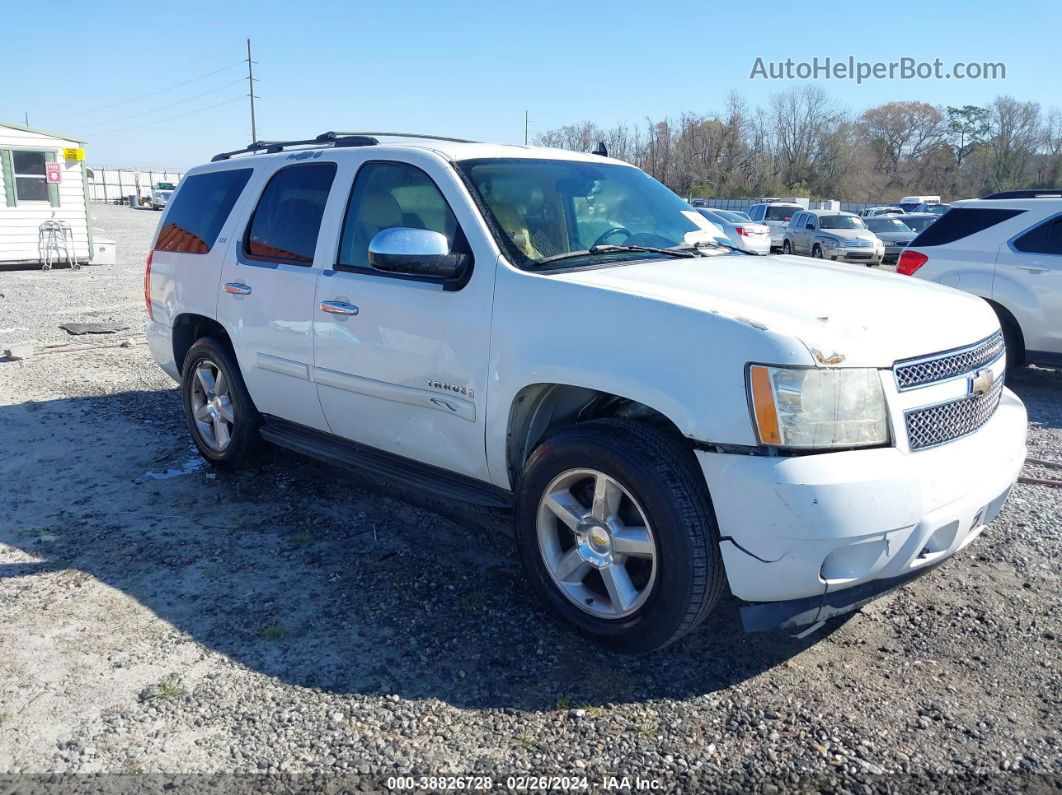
x: 470, y: 69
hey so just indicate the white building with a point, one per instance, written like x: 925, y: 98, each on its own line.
x: 42, y: 176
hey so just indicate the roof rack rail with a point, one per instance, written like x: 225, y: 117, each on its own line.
x: 331, y: 138
x: 1040, y: 193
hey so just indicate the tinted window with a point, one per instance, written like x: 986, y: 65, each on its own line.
x: 960, y: 222
x: 393, y: 194
x: 780, y: 213
x: 199, y: 211
x: 288, y: 216
x: 1044, y: 239
x: 756, y: 212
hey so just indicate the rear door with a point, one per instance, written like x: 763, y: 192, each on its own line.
x: 1029, y: 282
x: 267, y: 290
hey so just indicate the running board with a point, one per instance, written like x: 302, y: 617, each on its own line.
x: 393, y: 468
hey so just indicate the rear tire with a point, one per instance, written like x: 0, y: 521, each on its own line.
x: 219, y: 411
x: 786, y: 248
x: 676, y: 573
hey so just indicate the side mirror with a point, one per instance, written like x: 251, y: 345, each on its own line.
x: 415, y: 252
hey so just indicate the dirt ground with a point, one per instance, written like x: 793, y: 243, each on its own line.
x: 158, y: 616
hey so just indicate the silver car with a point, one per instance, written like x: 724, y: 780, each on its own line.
x: 893, y: 232
x: 742, y: 231
x: 829, y: 234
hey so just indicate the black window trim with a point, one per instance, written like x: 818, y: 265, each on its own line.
x: 448, y: 285
x: 245, y: 257
x: 1015, y: 250
x: 1014, y: 213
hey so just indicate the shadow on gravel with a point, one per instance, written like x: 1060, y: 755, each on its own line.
x: 1041, y: 391
x: 308, y: 575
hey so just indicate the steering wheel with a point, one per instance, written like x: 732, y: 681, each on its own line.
x: 616, y: 230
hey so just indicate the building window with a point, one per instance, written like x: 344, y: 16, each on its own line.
x: 30, y: 182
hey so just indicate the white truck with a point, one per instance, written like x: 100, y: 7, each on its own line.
x: 560, y: 335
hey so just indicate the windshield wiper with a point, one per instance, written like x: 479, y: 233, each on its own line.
x: 715, y: 244
x: 594, y: 251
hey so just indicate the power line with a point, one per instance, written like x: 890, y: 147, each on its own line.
x: 152, y: 94
x: 163, y: 107
x: 171, y: 118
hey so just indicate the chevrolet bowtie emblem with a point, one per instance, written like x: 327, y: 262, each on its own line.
x: 980, y: 382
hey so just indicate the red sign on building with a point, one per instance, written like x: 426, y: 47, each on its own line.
x: 53, y: 172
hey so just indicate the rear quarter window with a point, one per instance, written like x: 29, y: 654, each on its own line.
x: 199, y: 210
x: 960, y: 222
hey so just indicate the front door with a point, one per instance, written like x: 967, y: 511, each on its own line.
x: 401, y: 362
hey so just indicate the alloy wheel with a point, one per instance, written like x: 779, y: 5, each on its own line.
x: 596, y: 543
x: 212, y: 406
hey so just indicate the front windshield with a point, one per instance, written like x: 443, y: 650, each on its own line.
x: 887, y: 225
x: 840, y: 222
x: 546, y: 208
x: 937, y: 209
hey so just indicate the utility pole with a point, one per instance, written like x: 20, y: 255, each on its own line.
x: 250, y: 83
x: 26, y: 114
x: 525, y: 128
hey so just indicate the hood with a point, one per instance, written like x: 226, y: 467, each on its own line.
x: 848, y: 234
x: 892, y: 237
x: 869, y: 317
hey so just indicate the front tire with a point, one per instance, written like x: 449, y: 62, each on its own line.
x: 219, y: 411
x: 816, y: 252
x: 617, y: 534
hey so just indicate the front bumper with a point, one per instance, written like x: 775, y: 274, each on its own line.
x: 863, y: 255
x: 803, y: 530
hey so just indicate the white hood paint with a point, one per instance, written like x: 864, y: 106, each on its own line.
x: 869, y: 317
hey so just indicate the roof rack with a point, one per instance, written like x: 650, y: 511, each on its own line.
x: 331, y: 138
x: 1041, y: 193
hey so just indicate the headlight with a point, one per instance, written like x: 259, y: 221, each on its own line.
x: 829, y: 242
x: 815, y: 407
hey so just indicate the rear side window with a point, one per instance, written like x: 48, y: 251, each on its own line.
x: 960, y: 222
x: 1043, y: 239
x: 287, y: 219
x: 200, y: 209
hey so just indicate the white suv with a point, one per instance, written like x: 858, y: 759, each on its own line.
x: 776, y: 215
x: 1006, y: 248
x: 560, y: 335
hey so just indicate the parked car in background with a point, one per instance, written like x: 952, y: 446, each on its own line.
x: 777, y: 216
x: 831, y: 234
x: 874, y: 212
x: 893, y: 232
x: 932, y: 208
x: 160, y: 194
x: 909, y: 203
x: 1006, y: 248
x: 409, y: 309
x: 741, y: 230
x: 919, y: 222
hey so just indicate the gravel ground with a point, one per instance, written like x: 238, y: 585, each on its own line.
x: 157, y: 616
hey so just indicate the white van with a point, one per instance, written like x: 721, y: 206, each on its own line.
x: 909, y: 203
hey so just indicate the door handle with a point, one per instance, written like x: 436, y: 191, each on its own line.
x: 338, y: 308
x: 236, y: 288
x: 1031, y: 269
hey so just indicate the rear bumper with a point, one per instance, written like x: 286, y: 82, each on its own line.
x: 160, y: 343
x: 805, y: 530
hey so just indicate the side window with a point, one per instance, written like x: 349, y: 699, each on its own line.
x: 1043, y: 239
x: 756, y: 213
x: 811, y: 221
x: 386, y: 195
x: 200, y: 209
x: 960, y: 222
x: 286, y: 221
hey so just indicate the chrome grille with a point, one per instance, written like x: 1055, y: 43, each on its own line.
x: 935, y: 425
x: 925, y: 370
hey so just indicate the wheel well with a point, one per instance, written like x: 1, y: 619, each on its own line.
x: 1006, y: 318
x: 540, y: 410
x: 189, y: 328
